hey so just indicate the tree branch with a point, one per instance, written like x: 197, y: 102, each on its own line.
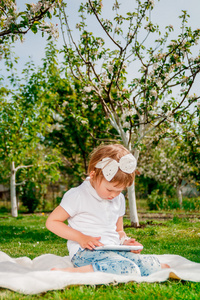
x: 94, y: 11
x: 17, y: 29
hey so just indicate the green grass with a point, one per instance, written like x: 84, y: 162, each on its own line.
x: 27, y: 236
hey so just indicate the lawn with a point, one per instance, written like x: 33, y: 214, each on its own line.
x: 27, y: 236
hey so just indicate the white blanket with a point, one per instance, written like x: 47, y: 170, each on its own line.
x: 28, y: 276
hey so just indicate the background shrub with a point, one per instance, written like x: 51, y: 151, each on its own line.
x: 158, y: 201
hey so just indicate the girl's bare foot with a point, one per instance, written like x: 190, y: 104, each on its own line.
x: 84, y: 269
x: 164, y: 266
x: 63, y: 269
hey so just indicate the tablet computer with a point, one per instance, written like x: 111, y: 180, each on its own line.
x: 119, y: 247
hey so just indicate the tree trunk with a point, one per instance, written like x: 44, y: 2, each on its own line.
x: 180, y: 196
x: 132, y: 205
x: 13, y: 198
x: 132, y: 198
x: 131, y: 189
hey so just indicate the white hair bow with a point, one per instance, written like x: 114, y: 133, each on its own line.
x: 109, y: 166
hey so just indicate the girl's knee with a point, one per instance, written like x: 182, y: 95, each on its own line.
x: 123, y: 267
x: 149, y: 265
x: 130, y: 268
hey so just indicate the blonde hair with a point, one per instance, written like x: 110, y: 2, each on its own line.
x: 114, y: 151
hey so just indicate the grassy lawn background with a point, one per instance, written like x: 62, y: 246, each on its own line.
x: 27, y: 236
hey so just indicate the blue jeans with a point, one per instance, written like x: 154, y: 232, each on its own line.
x: 117, y: 262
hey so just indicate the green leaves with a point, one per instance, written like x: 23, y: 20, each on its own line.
x: 14, y: 24
x: 34, y: 28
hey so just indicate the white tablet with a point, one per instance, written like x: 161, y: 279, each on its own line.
x: 119, y: 247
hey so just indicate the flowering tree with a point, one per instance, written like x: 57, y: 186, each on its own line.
x: 76, y: 125
x: 23, y: 122
x: 142, y: 85
x: 174, y: 162
x: 15, y: 24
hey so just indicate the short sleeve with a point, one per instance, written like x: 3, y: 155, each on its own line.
x: 122, y: 205
x: 71, y: 202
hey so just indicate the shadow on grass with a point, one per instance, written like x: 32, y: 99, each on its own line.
x: 10, y: 233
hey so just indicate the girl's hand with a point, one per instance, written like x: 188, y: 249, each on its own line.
x: 132, y: 242
x: 89, y: 242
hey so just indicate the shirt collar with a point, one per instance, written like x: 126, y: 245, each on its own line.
x: 92, y: 190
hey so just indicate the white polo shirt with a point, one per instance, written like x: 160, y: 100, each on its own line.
x: 92, y: 215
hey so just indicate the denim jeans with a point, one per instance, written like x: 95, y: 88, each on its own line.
x: 117, y: 262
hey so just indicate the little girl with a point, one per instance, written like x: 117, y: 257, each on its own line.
x: 94, y: 211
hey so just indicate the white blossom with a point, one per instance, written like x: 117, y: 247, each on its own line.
x: 184, y: 79
x: 191, y: 59
x: 119, y: 93
x: 11, y: 5
x: 159, y: 55
x: 51, y: 29
x: 85, y: 106
x: 36, y: 7
x: 179, y: 64
x: 88, y: 89
x: 153, y: 93
x: 126, y: 125
x: 148, y: 26
x: 183, y: 42
x: 117, y: 29
x: 143, y: 68
x: 65, y: 103
x: 169, y: 113
x: 159, y: 83
x: 107, y: 81
x: 167, y: 76
x: 57, y: 126
x: 130, y: 34
x: 110, y: 68
x: 57, y: 117
x: 192, y: 96
x: 3, y: 18
x: 47, y: 5
x: 94, y: 106
x: 104, y: 75
x: 197, y: 58
x: 84, y: 122
x: 152, y: 112
x: 183, y: 90
x: 8, y: 21
x: 78, y: 26
x: 155, y: 66
x: 100, y: 42
x: 132, y: 111
x: 151, y: 2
